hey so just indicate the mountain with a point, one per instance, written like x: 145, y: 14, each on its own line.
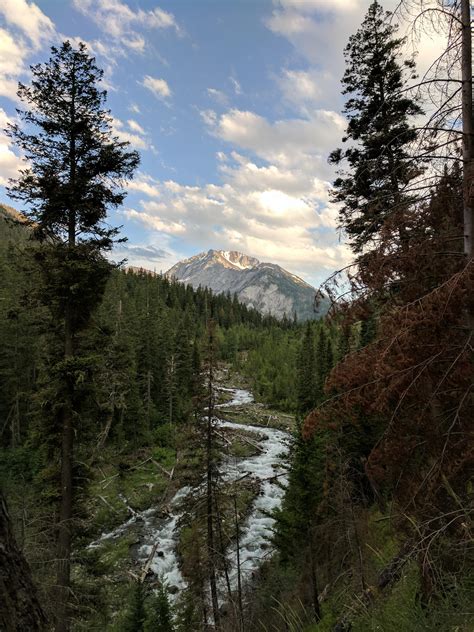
x: 11, y: 215
x: 264, y: 286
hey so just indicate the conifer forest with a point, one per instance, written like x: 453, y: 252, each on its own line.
x: 173, y: 459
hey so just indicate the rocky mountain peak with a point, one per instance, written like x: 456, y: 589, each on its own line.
x: 264, y: 286
x: 235, y: 258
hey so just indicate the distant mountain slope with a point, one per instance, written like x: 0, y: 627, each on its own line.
x: 9, y: 213
x: 13, y: 229
x: 264, y: 286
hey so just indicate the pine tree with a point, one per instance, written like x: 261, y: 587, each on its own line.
x: 74, y: 174
x: 322, y: 367
x: 159, y: 616
x: 306, y: 372
x: 135, y: 616
x: 378, y: 111
x: 211, y: 478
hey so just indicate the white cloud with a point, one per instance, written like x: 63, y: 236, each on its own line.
x: 135, y: 127
x: 24, y: 31
x: 311, y: 6
x: 301, y: 88
x: 320, y: 29
x: 159, y: 87
x: 28, y: 18
x: 218, y: 96
x: 279, y: 210
x: 28, y: 29
x: 159, y: 19
x: 12, y: 56
x: 145, y: 184
x: 136, y: 140
x: 271, y: 212
x: 135, y: 42
x: 290, y: 23
x: 9, y: 161
x: 285, y: 142
x: 151, y: 218
x: 120, y: 21
x: 209, y: 117
x: 236, y: 85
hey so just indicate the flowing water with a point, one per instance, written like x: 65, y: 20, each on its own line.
x: 159, y: 535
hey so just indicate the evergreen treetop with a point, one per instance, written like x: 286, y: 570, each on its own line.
x: 379, y: 131
x: 76, y: 166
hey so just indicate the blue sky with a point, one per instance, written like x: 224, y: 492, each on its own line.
x: 234, y: 106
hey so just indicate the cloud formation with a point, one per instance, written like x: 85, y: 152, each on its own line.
x: 145, y: 252
x: 121, y: 22
x: 269, y: 196
x: 272, y: 212
x: 9, y: 161
x: 28, y: 29
x: 273, y: 205
x: 236, y: 85
x: 159, y: 87
x: 130, y: 132
x: 218, y: 96
x: 28, y: 18
x: 287, y: 142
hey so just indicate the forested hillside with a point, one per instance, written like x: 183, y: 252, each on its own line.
x: 174, y: 461
x: 375, y: 532
x: 145, y: 344
x: 141, y: 382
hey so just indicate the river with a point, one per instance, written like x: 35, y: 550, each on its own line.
x: 159, y: 536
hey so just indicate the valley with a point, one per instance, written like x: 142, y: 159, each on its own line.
x: 225, y: 446
x: 151, y: 543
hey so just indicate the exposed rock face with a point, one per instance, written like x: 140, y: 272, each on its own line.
x: 264, y: 286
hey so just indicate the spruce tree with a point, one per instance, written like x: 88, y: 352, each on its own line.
x: 74, y: 174
x: 135, y: 616
x: 306, y: 373
x: 379, y: 132
x: 159, y: 613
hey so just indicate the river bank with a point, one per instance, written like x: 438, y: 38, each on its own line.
x: 157, y: 539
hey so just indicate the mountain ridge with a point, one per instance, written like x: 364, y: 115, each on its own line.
x: 262, y: 285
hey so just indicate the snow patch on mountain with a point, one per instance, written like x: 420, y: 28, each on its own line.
x: 261, y: 285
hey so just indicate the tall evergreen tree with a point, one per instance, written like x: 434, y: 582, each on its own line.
x: 135, y: 616
x: 74, y: 174
x: 379, y: 132
x: 159, y: 613
x: 306, y: 372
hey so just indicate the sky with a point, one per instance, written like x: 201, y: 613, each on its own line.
x: 234, y: 106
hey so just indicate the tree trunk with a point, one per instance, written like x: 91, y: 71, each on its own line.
x: 63, y: 577
x: 314, y: 579
x: 20, y: 609
x: 223, y: 557
x: 468, y: 129
x: 209, y: 491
